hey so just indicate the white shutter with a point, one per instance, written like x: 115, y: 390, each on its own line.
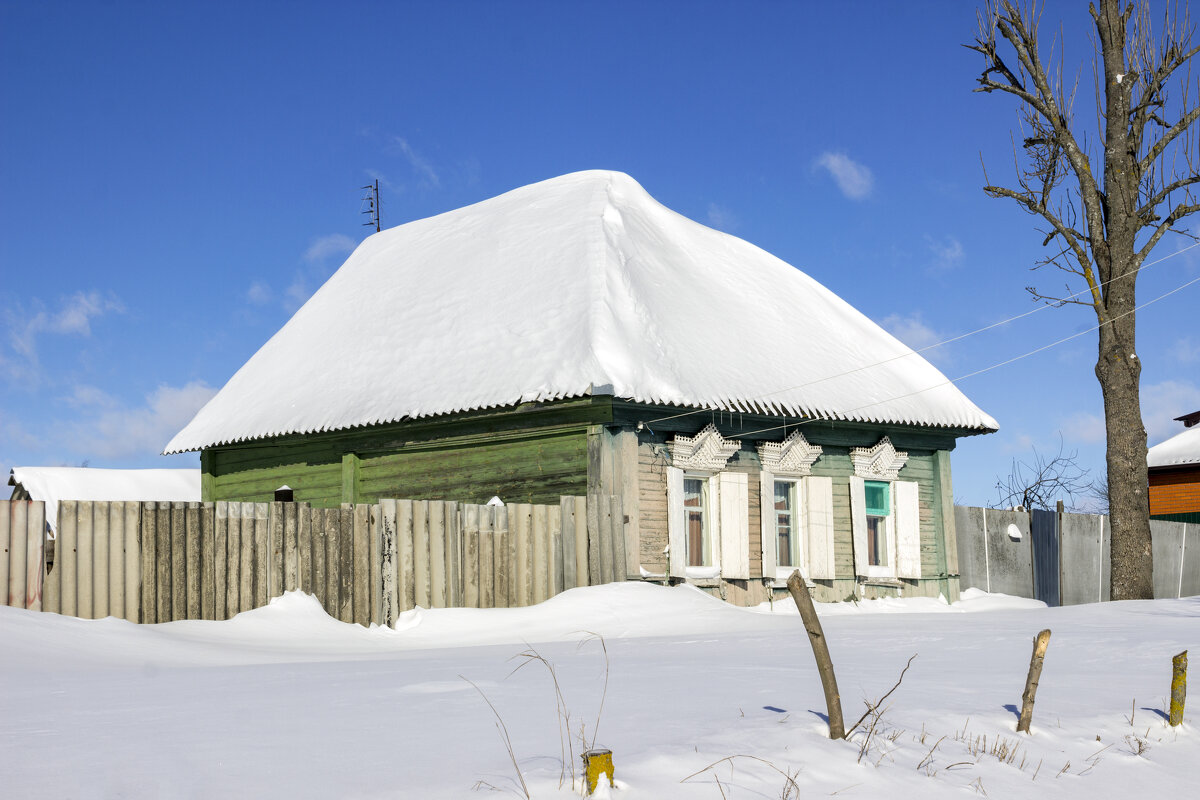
x: 858, y: 523
x: 908, y: 529
x: 766, y: 517
x: 676, y: 525
x: 818, y: 515
x: 734, y: 499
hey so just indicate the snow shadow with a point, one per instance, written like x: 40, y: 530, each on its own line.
x: 1158, y: 711
x: 1016, y: 712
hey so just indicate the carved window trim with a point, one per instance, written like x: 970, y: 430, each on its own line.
x: 791, y: 458
x: 707, y: 451
x: 881, y: 462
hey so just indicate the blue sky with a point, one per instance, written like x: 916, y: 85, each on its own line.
x: 176, y: 179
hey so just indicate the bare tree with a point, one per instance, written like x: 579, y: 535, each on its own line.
x: 1104, y: 204
x: 1042, y: 482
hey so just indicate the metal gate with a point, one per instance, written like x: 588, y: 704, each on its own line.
x: 1043, y: 527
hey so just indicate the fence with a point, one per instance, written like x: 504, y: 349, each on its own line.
x: 1062, y: 559
x: 22, y: 542
x: 158, y: 562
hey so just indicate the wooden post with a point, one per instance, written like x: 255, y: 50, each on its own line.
x: 1031, y: 680
x: 816, y: 637
x: 1178, y: 688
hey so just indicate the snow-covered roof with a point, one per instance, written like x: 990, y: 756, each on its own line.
x: 582, y: 284
x: 52, y: 484
x: 1179, y: 450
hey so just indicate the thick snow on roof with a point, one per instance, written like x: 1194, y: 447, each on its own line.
x: 52, y: 484
x: 1184, y: 448
x: 576, y: 285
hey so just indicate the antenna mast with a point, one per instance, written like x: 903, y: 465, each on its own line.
x: 370, y: 204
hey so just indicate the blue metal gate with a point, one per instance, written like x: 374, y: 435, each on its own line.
x: 1043, y: 528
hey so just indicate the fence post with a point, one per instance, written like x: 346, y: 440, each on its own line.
x: 487, y: 555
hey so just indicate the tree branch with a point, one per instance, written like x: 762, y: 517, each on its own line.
x: 1179, y: 212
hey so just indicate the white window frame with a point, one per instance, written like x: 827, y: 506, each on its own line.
x: 797, y: 556
x: 903, y: 530
x: 708, y: 538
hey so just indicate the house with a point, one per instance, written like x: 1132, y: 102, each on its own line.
x: 1174, y: 467
x: 52, y: 484
x: 576, y: 337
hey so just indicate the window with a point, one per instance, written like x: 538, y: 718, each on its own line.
x: 787, y: 534
x: 878, y: 509
x: 695, y: 507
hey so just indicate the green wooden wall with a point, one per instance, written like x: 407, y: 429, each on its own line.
x: 530, y: 454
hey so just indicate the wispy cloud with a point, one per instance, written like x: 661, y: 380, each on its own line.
x: 117, y: 432
x: 419, y: 164
x: 853, y: 179
x: 1186, y: 350
x: 912, y: 330
x: 1162, y: 402
x: 26, y: 325
x: 324, y: 247
x: 1083, y: 428
x: 259, y: 293
x: 946, y: 253
x: 722, y: 218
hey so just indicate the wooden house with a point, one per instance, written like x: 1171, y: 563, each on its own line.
x: 576, y: 337
x: 1174, y: 467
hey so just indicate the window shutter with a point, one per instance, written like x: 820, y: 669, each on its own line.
x: 908, y: 529
x: 858, y: 524
x: 818, y: 512
x: 734, y: 500
x: 766, y: 507
x: 676, y: 537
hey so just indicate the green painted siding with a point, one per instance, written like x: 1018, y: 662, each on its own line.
x: 529, y: 454
x: 538, y: 469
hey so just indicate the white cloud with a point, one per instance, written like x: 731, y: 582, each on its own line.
x: 1186, y: 350
x: 1162, y: 402
x: 1084, y: 427
x: 73, y: 316
x: 853, y: 179
x: 84, y: 396
x: 420, y: 165
x: 722, y: 218
x: 335, y: 244
x: 913, y: 331
x: 118, y: 432
x: 947, y: 253
x: 259, y: 293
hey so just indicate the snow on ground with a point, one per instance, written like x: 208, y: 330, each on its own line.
x: 285, y: 702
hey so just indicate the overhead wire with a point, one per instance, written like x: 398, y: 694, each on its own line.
x: 951, y: 340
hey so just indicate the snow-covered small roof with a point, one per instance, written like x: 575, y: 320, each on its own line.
x: 1179, y: 450
x: 582, y: 284
x: 52, y: 484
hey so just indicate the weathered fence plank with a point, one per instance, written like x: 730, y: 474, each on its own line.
x: 554, y: 521
x: 582, y: 564
x: 149, y: 563
x: 375, y: 563
x: 18, y: 554
x: 406, y: 556
x: 454, y: 555
x: 617, y: 536
x: 6, y: 555
x: 164, y: 588
x: 470, y: 578
x: 116, y: 558
x: 194, y: 565
x: 291, y: 547
x: 422, y: 575
x: 566, y: 510
x: 389, y: 593
x: 304, y: 549
x: 540, y: 546
x: 346, y: 565
x: 99, y: 566
x: 263, y: 555
x: 502, y: 558
x: 206, y: 533
x: 436, y: 516
x: 362, y: 565
x: 519, y: 523
x: 220, y: 559
x: 607, y: 566
x: 487, y: 568
x: 133, y: 557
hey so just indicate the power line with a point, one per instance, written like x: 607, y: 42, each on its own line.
x: 944, y: 341
x: 997, y: 365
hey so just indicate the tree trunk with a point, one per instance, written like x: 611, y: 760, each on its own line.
x: 1118, y: 370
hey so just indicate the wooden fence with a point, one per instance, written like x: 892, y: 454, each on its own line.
x: 22, y: 559
x: 365, y: 563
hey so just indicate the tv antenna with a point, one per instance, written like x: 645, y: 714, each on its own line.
x: 370, y: 204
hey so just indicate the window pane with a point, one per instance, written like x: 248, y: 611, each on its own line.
x: 876, y: 495
x: 695, y: 503
x: 877, y: 548
x: 783, y: 522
